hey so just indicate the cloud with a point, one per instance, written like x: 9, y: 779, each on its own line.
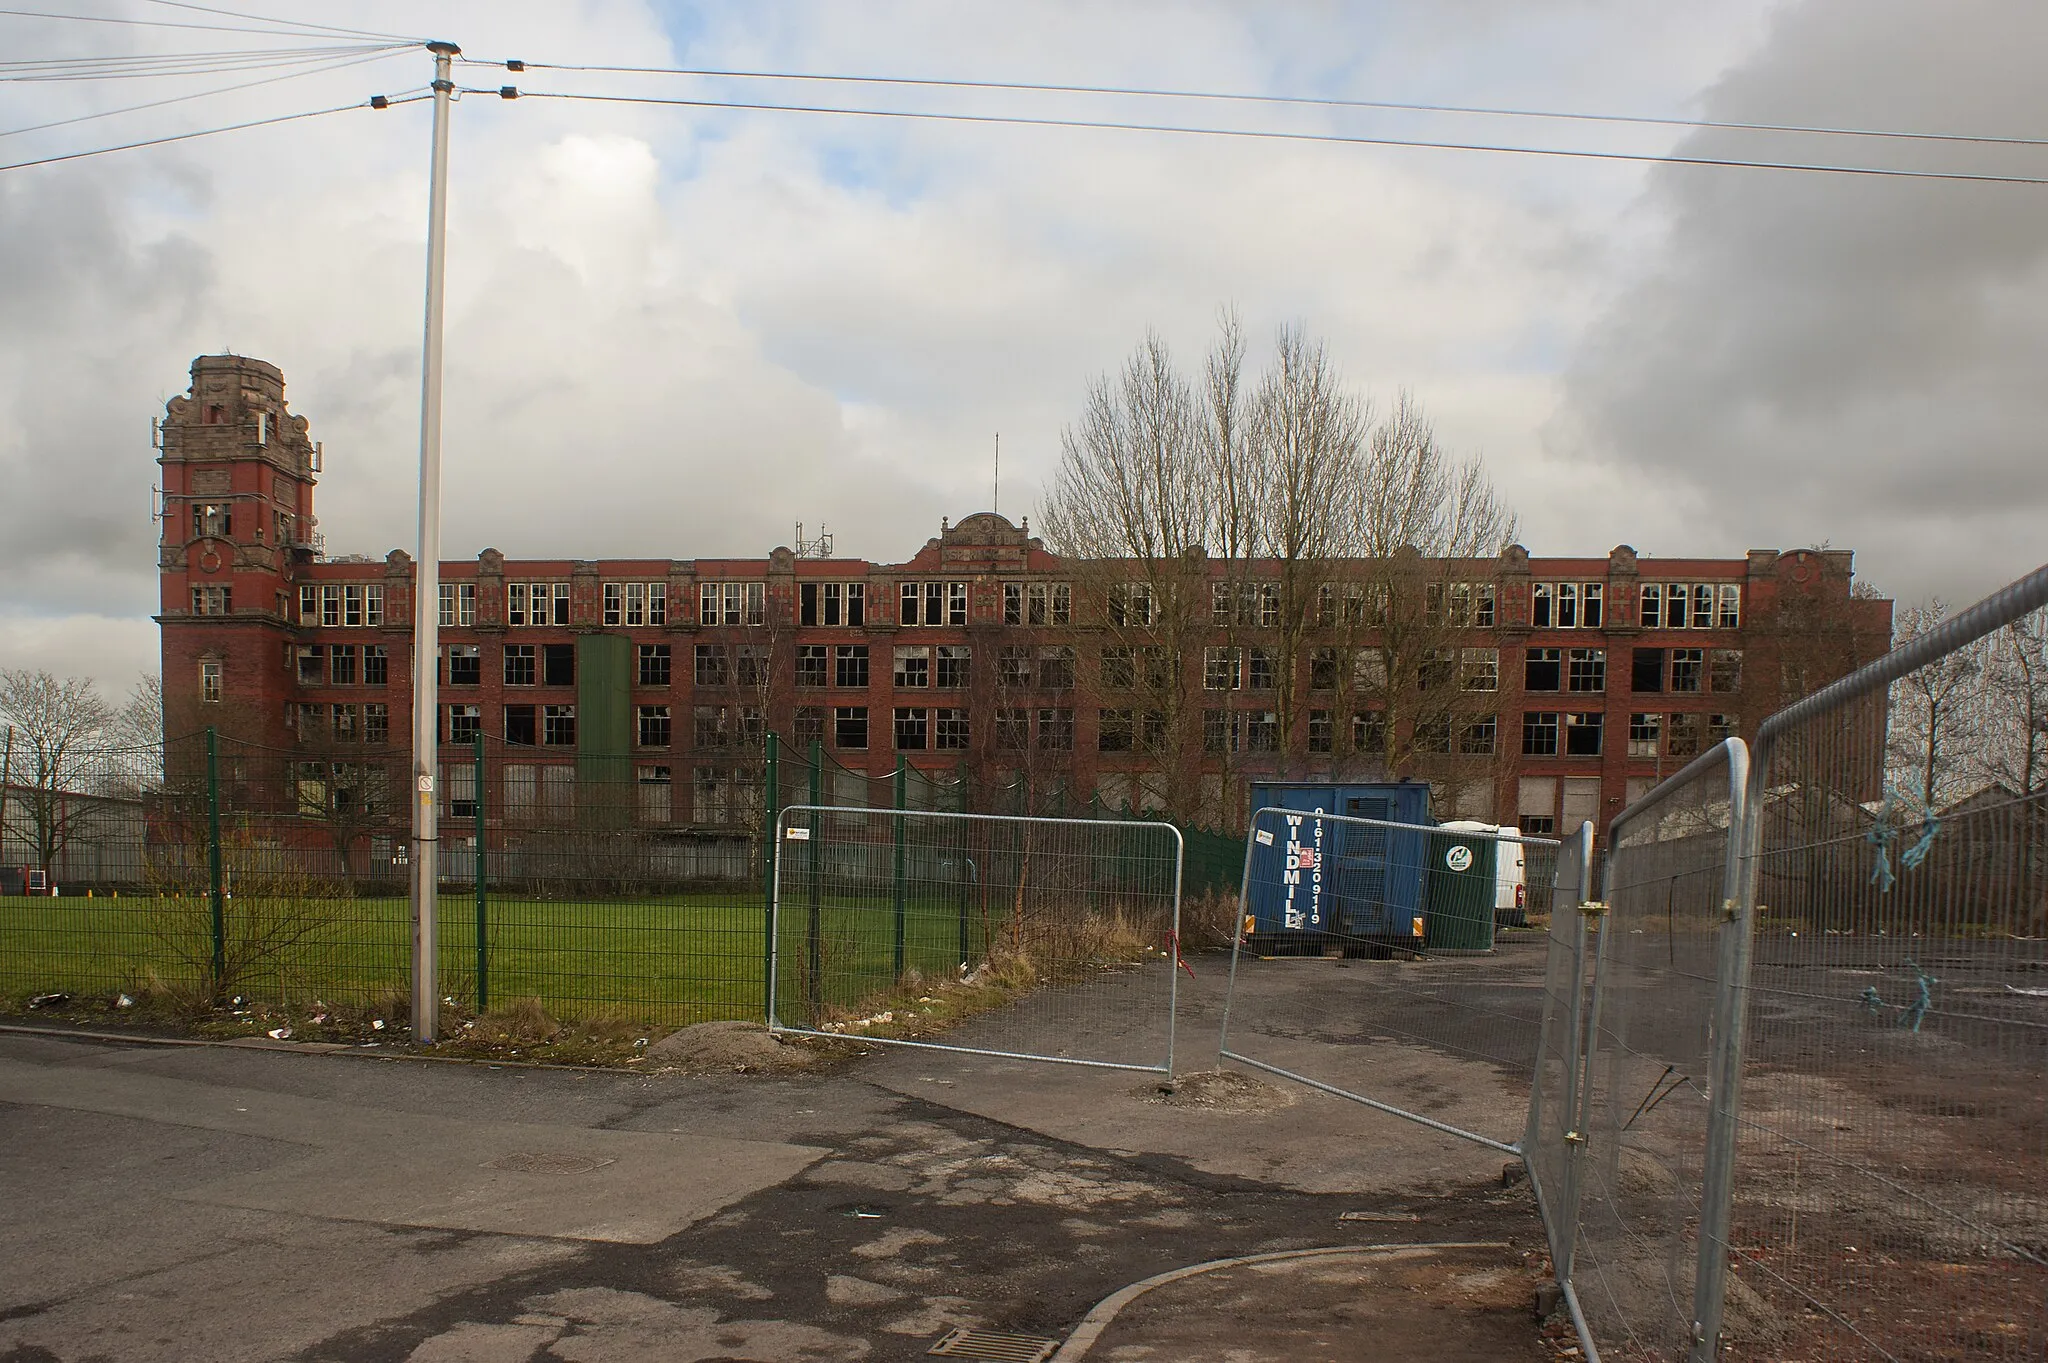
x: 1807, y: 357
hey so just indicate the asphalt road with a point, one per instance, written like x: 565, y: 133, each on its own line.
x: 228, y: 1203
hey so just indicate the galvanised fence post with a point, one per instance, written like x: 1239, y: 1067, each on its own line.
x: 772, y: 814
x: 902, y: 777
x: 213, y: 868
x: 483, y: 912
x: 815, y: 889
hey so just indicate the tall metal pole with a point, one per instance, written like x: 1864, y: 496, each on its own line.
x: 426, y: 604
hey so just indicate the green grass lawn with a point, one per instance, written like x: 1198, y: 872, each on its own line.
x: 670, y: 960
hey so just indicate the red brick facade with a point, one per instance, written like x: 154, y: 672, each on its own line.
x: 263, y: 636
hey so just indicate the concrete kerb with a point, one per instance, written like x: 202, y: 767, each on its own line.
x: 1106, y: 1311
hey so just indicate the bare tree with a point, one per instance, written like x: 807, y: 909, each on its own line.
x: 2016, y: 702
x: 1931, y: 714
x: 55, y: 733
x: 1416, y: 623
x: 1307, y: 442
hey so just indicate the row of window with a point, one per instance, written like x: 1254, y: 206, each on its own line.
x: 342, y: 664
x: 350, y: 605
x: 344, y: 723
x: 1552, y: 605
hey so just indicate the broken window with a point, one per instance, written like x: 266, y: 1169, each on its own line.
x: 913, y: 665
x: 1130, y: 603
x: 913, y: 728
x: 1013, y: 729
x: 376, y: 665
x: 1539, y: 734
x: 1324, y: 668
x: 344, y: 717
x: 519, y: 725
x: 1687, y: 668
x: 1646, y: 672
x: 1651, y: 615
x: 750, y: 665
x: 312, y: 664
x: 712, y: 727
x: 654, y: 725
x: 1261, y: 731
x: 1730, y: 614
x: 1369, y: 731
x: 635, y: 603
x: 1587, y: 670
x: 1056, y: 729
x: 1720, y: 728
x: 1726, y: 674
x: 465, y: 664
x: 1476, y: 739
x: 808, y: 727
x: 1642, y: 735
x: 933, y: 603
x: 850, y: 726
x: 1686, y: 734
x: 1119, y: 669
x: 1260, y: 673
x: 731, y: 603
x: 832, y: 603
x: 950, y: 729
x: 211, y: 600
x: 209, y: 682
x: 1056, y: 668
x: 376, y: 722
x: 1013, y: 666
x: 1542, y: 668
x: 657, y: 786
x: 212, y: 519
x: 461, y: 723
x: 1437, y: 669
x: 1433, y: 734
x: 1479, y: 669
x: 1321, y: 733
x: 1116, y: 731
x: 812, y: 665
x: 519, y: 665
x: 1220, y: 670
x: 714, y: 665
x: 558, y: 725
x: 1582, y: 734
x: 341, y: 664
x: 654, y: 664
x: 850, y: 665
x: 954, y: 665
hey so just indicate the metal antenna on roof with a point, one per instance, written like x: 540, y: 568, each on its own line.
x: 997, y: 505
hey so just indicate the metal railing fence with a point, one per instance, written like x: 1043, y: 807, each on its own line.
x: 883, y: 922
x: 1890, y: 1198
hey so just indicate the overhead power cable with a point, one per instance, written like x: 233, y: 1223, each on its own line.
x: 1510, y: 149
x: 293, y: 23
x: 160, y: 23
x: 1299, y: 101
x: 314, y: 70
x: 93, y: 70
x: 202, y: 132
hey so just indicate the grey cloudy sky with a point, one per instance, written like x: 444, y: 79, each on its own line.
x: 678, y: 331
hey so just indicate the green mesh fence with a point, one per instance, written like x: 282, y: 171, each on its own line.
x: 619, y: 886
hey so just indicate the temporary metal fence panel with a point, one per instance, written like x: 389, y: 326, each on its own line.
x: 885, y: 922
x: 1891, y: 1187
x: 1412, y: 910
x: 1551, y: 1144
x: 1649, y: 1187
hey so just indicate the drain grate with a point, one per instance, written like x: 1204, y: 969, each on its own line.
x: 547, y: 1162
x: 971, y: 1343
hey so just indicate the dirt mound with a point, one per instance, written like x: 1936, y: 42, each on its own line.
x: 1219, y: 1091
x: 730, y: 1047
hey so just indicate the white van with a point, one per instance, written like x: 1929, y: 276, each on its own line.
x: 1510, y: 871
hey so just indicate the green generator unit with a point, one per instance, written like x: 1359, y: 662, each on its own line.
x: 1458, y: 893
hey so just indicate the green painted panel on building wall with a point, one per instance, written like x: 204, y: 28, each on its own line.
x: 604, y: 729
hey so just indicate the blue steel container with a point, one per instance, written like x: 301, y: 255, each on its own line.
x: 1318, y: 884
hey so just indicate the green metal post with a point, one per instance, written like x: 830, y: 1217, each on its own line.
x: 814, y: 928
x: 219, y: 897
x: 902, y: 780
x: 483, y: 911
x: 771, y: 790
